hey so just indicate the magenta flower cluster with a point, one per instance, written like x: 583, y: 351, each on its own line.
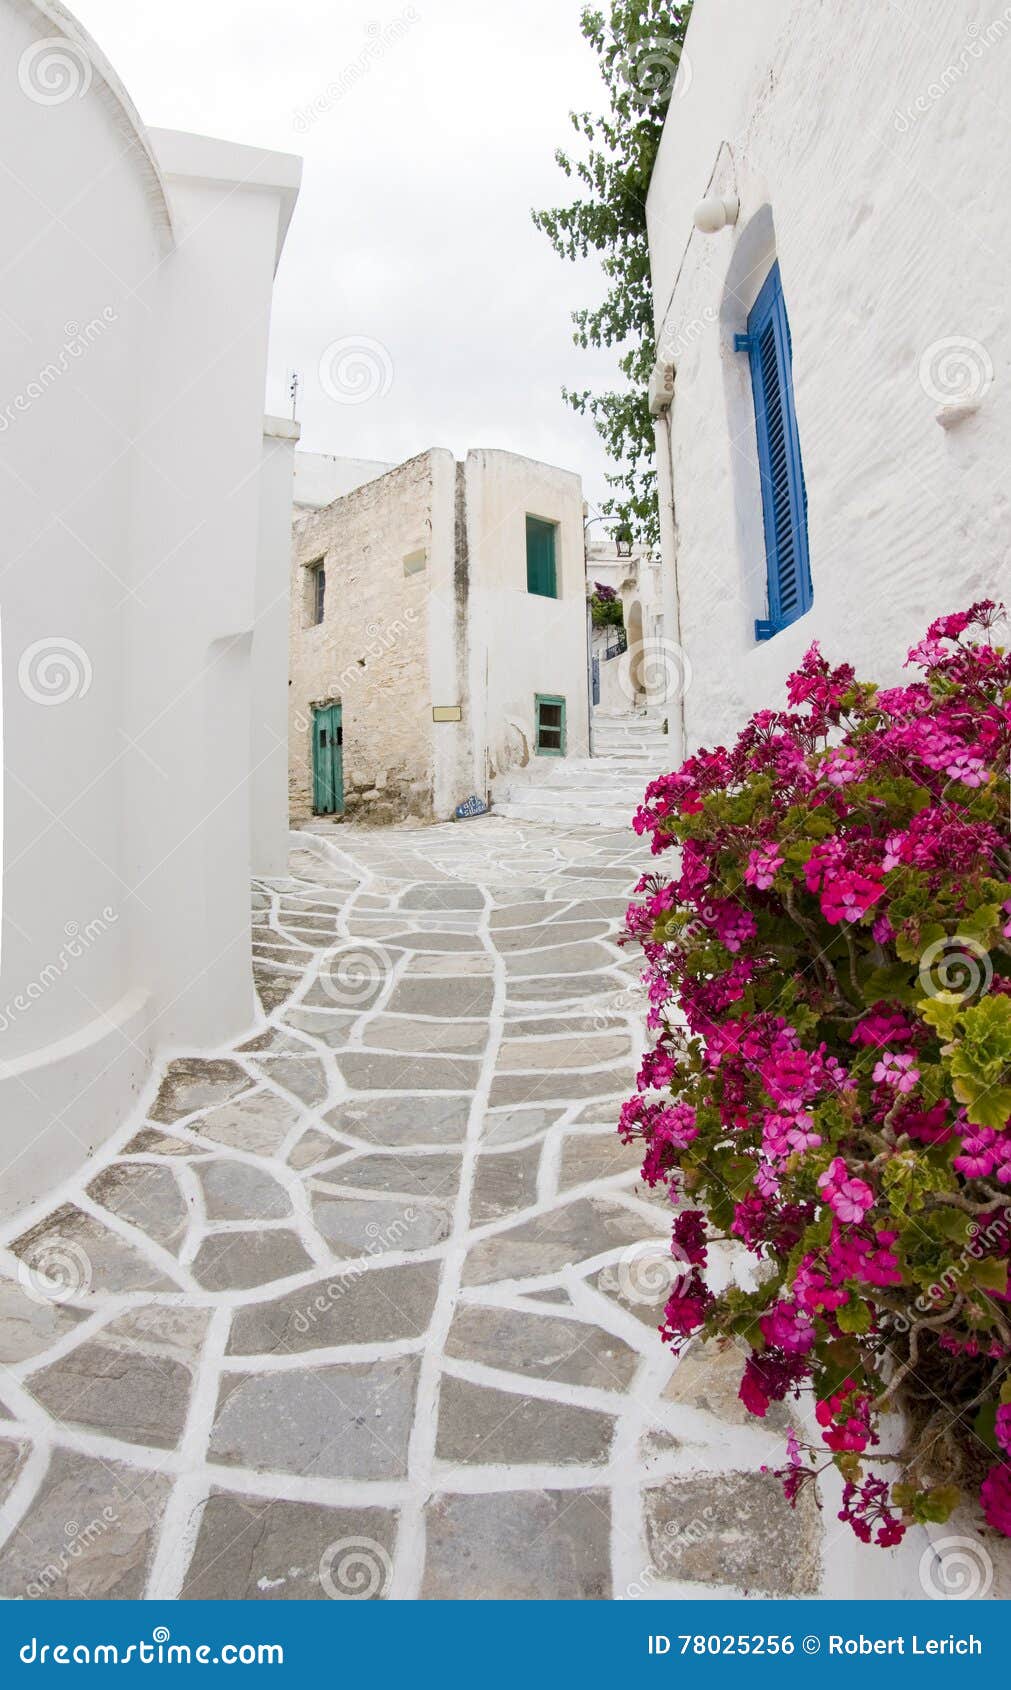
x: 828, y: 1083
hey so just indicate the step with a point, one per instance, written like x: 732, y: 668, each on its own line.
x: 598, y: 777
x: 616, y: 740
x: 592, y: 816
x: 563, y: 797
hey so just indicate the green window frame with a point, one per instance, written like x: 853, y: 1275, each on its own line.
x: 542, y: 559
x: 549, y: 714
x: 316, y: 601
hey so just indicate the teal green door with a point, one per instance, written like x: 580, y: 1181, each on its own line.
x: 327, y: 761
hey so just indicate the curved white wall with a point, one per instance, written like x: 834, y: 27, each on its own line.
x: 130, y: 443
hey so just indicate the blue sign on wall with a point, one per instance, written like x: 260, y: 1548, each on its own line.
x: 473, y: 806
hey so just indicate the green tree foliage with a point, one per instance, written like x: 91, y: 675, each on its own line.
x: 639, y: 44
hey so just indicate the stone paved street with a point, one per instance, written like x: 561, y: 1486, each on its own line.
x: 367, y: 1305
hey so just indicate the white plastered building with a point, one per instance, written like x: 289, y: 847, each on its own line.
x: 143, y: 598
x: 853, y: 148
x: 438, y: 632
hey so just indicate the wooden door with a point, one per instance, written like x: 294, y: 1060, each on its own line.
x: 328, y: 761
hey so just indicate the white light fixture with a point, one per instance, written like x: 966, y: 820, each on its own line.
x: 718, y: 211
x: 661, y: 388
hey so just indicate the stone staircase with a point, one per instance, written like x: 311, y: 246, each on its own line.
x: 628, y: 750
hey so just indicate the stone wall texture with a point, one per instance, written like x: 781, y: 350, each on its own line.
x: 370, y: 653
x: 863, y: 160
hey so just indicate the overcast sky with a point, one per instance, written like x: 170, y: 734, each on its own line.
x: 428, y: 131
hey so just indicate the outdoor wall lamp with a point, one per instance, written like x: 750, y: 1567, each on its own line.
x: 716, y: 212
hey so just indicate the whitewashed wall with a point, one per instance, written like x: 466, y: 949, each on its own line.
x: 136, y: 295
x: 269, y: 745
x: 520, y: 643
x: 321, y: 477
x: 861, y: 142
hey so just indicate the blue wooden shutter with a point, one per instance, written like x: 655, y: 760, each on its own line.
x: 541, y: 570
x: 784, y: 495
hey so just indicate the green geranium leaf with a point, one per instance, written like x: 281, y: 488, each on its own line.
x: 854, y: 1316
x: 989, y: 1274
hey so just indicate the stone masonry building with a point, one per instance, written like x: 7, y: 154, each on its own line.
x: 437, y: 635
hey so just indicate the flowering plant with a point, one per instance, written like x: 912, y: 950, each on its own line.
x: 829, y: 1084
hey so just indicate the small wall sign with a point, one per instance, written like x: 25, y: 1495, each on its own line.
x: 447, y: 713
x: 473, y: 806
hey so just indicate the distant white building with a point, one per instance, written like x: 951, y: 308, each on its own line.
x: 438, y: 634
x: 846, y: 487
x: 632, y: 669
x: 143, y: 598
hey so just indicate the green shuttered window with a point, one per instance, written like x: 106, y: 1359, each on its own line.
x: 542, y: 572
x: 550, y: 725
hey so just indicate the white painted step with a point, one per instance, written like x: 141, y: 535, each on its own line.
x: 550, y: 814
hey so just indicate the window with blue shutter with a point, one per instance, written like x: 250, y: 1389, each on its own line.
x: 542, y: 573
x: 784, y: 496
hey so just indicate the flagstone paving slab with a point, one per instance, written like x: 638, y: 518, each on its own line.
x: 505, y: 1181
x: 542, y: 1345
x: 349, y: 1422
x: 738, y: 1531
x: 31, y: 1325
x: 259, y: 1123
x: 368, y: 1071
x: 83, y: 1257
x: 338, y: 1289
x: 400, y: 1120
x: 117, y: 1390
x: 450, y: 997
x: 437, y: 1175
x: 357, y: 1303
x: 556, y: 1239
x: 352, y: 1225
x: 479, y: 1423
x: 233, y: 1261
x: 519, y: 1546
x: 89, y: 1534
x: 193, y: 1083
x: 254, y: 1549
